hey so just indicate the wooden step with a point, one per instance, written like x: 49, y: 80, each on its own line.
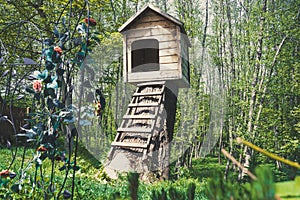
x: 139, y: 117
x: 143, y: 104
x: 135, y: 130
x: 152, y: 83
x: 147, y: 94
x: 129, y: 144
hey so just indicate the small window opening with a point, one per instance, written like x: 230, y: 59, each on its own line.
x: 145, y: 55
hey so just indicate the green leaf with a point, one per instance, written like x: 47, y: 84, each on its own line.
x: 29, y: 133
x: 288, y: 188
x: 84, y: 122
x: 49, y: 92
x: 62, y: 168
x: 76, y: 168
x: 50, y: 103
x: 43, y: 75
x: 35, y: 74
x: 21, y: 96
x: 49, y: 65
x: 58, y: 104
x: 53, y: 85
x: 64, y: 113
x: 38, y: 163
x: 48, y: 42
x: 56, y: 33
x: 16, y: 188
x: 69, y: 120
x: 48, y: 53
x: 47, y: 80
x: 63, y: 21
x: 60, y: 71
x: 67, y: 194
x: 27, y: 89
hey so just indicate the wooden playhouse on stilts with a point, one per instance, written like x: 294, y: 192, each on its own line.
x: 155, y: 57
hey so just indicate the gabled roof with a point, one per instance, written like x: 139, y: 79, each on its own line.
x: 150, y: 7
x: 145, y: 9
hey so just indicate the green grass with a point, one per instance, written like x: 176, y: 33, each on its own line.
x: 91, y: 180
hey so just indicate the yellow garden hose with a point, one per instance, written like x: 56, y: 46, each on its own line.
x: 271, y: 155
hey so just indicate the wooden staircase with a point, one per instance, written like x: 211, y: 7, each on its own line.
x: 140, y: 123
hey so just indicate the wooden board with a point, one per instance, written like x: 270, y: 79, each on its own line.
x: 144, y: 32
x: 139, y: 117
x: 129, y: 144
x: 168, y: 59
x: 155, y: 75
x: 168, y: 52
x: 125, y: 63
x: 170, y: 67
x: 143, y: 104
x: 152, y: 83
x: 147, y: 94
x: 153, y: 24
x: 149, y: 18
x: 170, y: 44
x: 160, y: 38
x: 135, y: 130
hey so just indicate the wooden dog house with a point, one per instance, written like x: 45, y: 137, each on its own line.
x: 155, y: 48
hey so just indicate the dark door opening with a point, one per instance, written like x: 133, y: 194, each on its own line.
x: 145, y: 55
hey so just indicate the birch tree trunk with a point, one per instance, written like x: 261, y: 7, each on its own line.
x: 252, y: 104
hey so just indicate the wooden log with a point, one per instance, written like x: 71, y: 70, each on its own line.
x: 252, y: 176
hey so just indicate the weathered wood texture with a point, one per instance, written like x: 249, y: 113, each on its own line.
x: 146, y: 131
x: 173, y: 53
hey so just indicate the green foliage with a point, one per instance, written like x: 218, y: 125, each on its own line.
x: 52, y: 115
x: 261, y: 189
x: 92, y: 181
x: 133, y: 181
x: 262, y: 94
x: 30, y: 190
x: 159, y: 195
x: 176, y: 194
x: 191, y: 191
x: 202, y: 168
x: 288, y: 188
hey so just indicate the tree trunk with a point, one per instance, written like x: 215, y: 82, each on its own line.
x: 255, y: 81
x: 170, y: 102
